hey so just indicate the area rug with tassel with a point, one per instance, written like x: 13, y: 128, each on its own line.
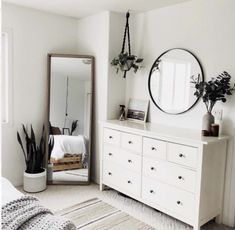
x: 95, y: 214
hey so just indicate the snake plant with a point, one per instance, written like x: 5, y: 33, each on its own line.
x: 33, y: 154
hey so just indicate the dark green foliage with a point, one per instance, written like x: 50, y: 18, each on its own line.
x: 125, y: 62
x: 50, y: 146
x: 34, y: 154
x: 74, y: 126
x: 214, y: 90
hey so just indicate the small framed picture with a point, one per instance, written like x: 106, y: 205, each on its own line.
x: 66, y: 131
x: 137, y: 110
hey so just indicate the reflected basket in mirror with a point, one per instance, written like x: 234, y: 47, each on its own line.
x: 70, y: 161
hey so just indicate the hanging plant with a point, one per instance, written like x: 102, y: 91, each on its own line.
x: 125, y: 60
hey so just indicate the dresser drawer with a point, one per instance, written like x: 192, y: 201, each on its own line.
x: 111, y: 153
x: 170, y: 173
x: 112, y: 137
x: 131, y: 142
x: 127, y: 181
x: 130, y: 182
x: 110, y: 174
x: 130, y: 161
x: 122, y: 158
x: 183, y: 155
x: 168, y: 197
x: 154, y: 148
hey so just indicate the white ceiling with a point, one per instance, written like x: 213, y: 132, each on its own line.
x: 83, y: 8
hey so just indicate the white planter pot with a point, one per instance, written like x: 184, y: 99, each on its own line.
x: 35, y: 182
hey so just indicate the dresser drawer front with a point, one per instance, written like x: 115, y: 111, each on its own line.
x: 112, y: 137
x: 110, y: 174
x: 170, y: 173
x: 130, y: 182
x: 183, y: 155
x: 111, y: 153
x: 130, y: 161
x: 131, y: 142
x: 166, y: 196
x: 154, y: 148
x: 127, y: 181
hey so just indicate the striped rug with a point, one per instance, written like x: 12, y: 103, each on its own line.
x: 95, y: 214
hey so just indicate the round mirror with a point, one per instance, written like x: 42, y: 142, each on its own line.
x: 171, y: 78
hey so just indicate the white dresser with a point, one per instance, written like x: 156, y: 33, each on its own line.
x: 173, y: 170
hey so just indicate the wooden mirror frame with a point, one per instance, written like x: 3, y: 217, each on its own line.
x: 49, y: 56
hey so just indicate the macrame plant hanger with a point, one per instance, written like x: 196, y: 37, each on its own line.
x: 126, y: 33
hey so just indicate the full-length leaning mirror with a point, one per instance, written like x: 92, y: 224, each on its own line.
x: 70, y: 117
x: 170, y: 81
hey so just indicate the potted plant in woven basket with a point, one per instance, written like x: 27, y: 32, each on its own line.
x: 35, y: 173
x: 217, y: 89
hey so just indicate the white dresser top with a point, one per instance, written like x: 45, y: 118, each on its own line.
x: 162, y: 131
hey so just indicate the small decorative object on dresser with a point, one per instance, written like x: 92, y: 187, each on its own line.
x: 137, y: 110
x: 125, y: 60
x: 35, y: 173
x: 122, y: 113
x: 212, y: 91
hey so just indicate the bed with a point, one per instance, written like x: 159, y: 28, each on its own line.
x: 69, y: 152
x: 9, y: 192
x: 25, y: 212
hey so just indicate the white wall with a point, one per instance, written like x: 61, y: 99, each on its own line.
x: 93, y: 39
x: 207, y: 28
x: 35, y: 34
x: 101, y: 36
x: 116, y: 82
x: 76, y: 102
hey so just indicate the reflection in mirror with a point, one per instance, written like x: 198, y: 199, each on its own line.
x: 70, y: 118
x: 170, y: 81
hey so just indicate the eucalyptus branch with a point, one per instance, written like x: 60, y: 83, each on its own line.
x: 217, y: 89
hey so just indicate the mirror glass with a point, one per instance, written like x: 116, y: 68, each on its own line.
x: 171, y: 81
x: 70, y: 106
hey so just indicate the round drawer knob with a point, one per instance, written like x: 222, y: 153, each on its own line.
x: 110, y: 137
x: 179, y: 202
x: 129, y: 182
x: 129, y: 161
x: 151, y: 191
x: 110, y: 154
x: 110, y: 173
x: 180, y: 177
x: 181, y: 155
x: 152, y: 168
x: 153, y: 148
x: 130, y: 142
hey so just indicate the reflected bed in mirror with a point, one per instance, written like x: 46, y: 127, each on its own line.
x: 70, y: 116
x: 170, y: 81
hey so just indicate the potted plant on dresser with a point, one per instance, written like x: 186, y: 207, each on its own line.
x: 35, y: 173
x: 217, y: 89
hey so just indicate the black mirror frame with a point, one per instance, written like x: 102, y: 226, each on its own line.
x: 149, y: 79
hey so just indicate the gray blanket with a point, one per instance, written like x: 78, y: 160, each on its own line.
x: 28, y: 213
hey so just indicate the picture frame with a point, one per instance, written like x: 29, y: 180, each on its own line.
x: 137, y: 110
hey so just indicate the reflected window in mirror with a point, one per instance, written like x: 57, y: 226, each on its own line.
x: 70, y: 111
x: 170, y: 81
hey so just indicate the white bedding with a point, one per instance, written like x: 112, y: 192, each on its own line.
x: 64, y: 144
x: 9, y: 192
